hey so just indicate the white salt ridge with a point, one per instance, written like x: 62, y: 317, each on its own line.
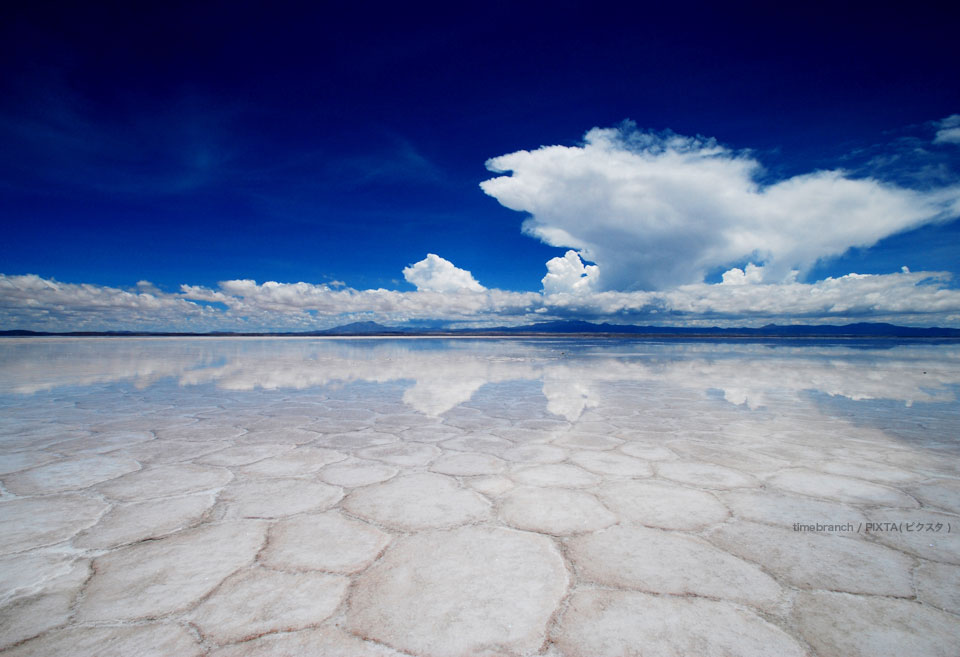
x: 101, y: 443
x: 535, y: 454
x: 939, y: 584
x: 478, y: 443
x: 657, y: 561
x: 258, y: 422
x: 615, y: 623
x: 36, y: 522
x: 259, y: 601
x: 165, y: 480
x: 841, y: 489
x: 159, y: 452
x: 874, y: 626
x: 244, y: 454
x: 418, y: 501
x: 588, y: 441
x: 706, y: 475
x: 738, y: 457
x: 666, y: 506
x: 818, y: 561
x: 871, y: 471
x: 611, y: 463
x: 405, y: 454
x: 921, y: 532
x: 561, y: 474
x: 788, y: 510
x: 272, y: 436
x: 160, y: 577
x: 204, y: 430
x: 355, y: 440
x: 154, y: 640
x: 647, y: 451
x: 556, y: 511
x: 326, y: 640
x: 490, y: 486
x: 30, y: 616
x: 352, y: 473
x: 17, y: 461
x: 69, y: 474
x: 129, y: 523
x: 943, y: 493
x: 277, y: 497
x: 299, y: 461
x: 467, y: 464
x: 428, y: 434
x: 328, y: 542
x: 32, y: 572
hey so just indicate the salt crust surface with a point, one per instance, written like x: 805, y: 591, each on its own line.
x: 553, y: 510
x: 328, y: 640
x: 156, y: 578
x: 874, y: 626
x: 284, y: 602
x: 614, y: 623
x: 418, y: 501
x: 412, y: 599
x: 632, y: 557
x: 304, y: 497
x: 330, y: 542
x: 153, y: 640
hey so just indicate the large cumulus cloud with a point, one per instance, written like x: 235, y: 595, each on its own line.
x: 655, y: 211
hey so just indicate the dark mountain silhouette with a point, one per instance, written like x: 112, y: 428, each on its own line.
x: 577, y: 327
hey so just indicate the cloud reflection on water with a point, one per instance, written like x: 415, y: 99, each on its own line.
x: 446, y: 373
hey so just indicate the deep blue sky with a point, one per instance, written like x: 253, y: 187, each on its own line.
x: 198, y: 142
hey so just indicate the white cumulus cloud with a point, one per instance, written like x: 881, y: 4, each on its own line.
x: 568, y: 275
x: 749, y: 275
x: 436, y: 274
x: 658, y: 211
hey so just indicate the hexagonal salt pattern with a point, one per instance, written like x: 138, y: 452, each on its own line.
x: 495, y: 498
x: 258, y: 601
x: 472, y: 590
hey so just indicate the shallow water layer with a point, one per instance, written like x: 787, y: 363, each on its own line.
x: 457, y: 497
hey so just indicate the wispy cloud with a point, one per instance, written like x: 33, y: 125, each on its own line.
x: 398, y: 162
x: 55, y: 140
x: 949, y: 130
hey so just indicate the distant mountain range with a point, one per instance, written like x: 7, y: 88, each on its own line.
x: 558, y: 328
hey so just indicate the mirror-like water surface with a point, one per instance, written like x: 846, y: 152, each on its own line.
x: 478, y: 496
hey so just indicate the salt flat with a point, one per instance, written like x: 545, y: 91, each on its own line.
x: 561, y: 498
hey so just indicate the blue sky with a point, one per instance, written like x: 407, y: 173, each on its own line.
x: 185, y: 146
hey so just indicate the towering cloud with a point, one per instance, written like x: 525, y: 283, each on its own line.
x: 568, y: 275
x: 655, y: 211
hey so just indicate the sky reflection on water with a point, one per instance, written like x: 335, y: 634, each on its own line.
x: 438, y: 375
